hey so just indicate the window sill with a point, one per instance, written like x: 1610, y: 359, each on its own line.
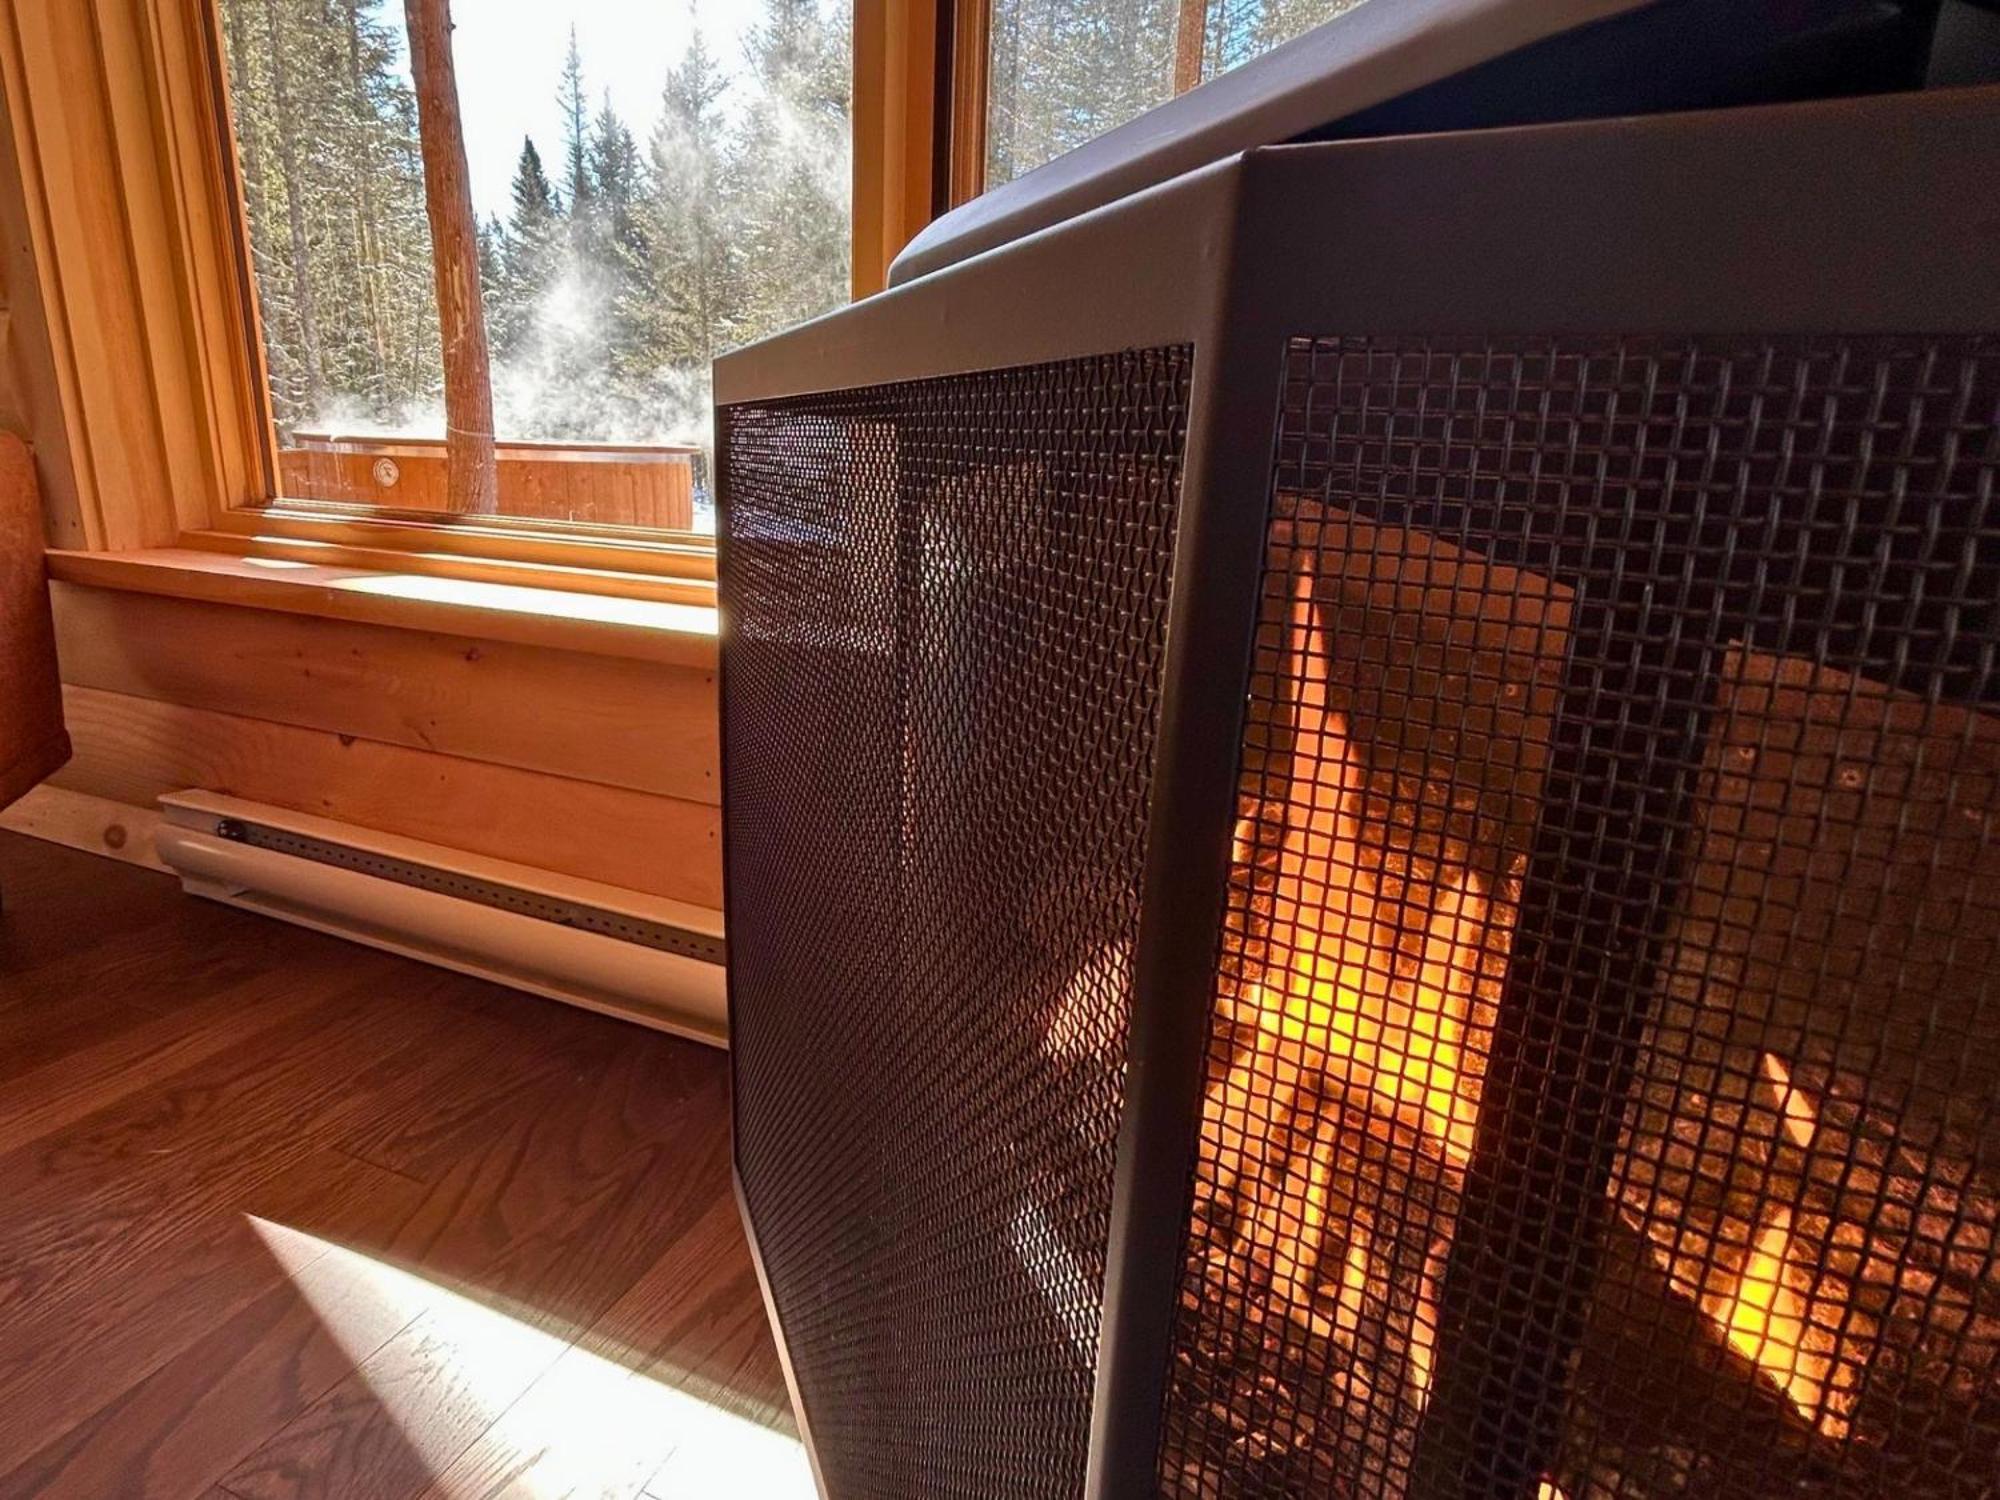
x: 566, y: 547
x: 670, y: 622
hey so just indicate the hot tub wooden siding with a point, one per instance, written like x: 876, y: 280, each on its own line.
x: 609, y: 484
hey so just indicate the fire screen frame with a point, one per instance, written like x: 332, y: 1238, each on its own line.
x: 1852, y: 218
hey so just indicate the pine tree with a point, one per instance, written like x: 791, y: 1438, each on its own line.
x: 614, y: 172
x: 617, y: 271
x: 291, y: 130
x: 575, y: 105
x: 1063, y: 74
x: 493, y: 274
x: 791, y: 164
x: 333, y: 192
x: 534, y: 215
x: 528, y: 253
x: 681, y: 305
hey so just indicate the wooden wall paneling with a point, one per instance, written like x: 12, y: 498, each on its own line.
x: 27, y: 364
x: 44, y: 44
x: 78, y: 96
x: 639, y: 725
x: 132, y: 750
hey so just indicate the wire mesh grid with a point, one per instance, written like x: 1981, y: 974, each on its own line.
x: 948, y: 604
x: 1603, y: 1096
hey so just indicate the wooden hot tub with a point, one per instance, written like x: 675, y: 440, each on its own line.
x: 606, y: 483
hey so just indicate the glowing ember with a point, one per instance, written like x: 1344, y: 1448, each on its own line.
x: 1801, y: 1120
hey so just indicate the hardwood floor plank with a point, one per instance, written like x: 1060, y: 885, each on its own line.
x: 682, y: 1361
x: 55, y: 903
x: 34, y: 1036
x: 519, y: 1045
x: 93, y: 1197
x: 295, y: 1218
x: 142, y: 1054
x: 535, y: 1229
x: 95, y: 1341
x: 406, y: 1413
x: 176, y: 1431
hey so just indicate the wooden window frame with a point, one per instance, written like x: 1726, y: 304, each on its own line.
x: 131, y: 340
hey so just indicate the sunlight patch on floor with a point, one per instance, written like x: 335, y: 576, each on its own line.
x: 559, y: 1421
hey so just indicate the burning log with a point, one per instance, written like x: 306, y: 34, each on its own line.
x: 1797, y: 1249
x: 1375, y: 903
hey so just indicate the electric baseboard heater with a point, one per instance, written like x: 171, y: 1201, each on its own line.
x: 1360, y: 785
x: 640, y: 958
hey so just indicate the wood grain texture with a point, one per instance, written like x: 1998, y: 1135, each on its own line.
x: 133, y: 750
x: 676, y: 633
x: 346, y: 1226
x: 471, y: 483
x: 93, y: 824
x: 598, y: 483
x: 142, y: 401
x: 896, y: 118
x: 639, y: 725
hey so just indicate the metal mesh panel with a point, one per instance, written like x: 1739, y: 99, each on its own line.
x: 1604, y: 1089
x: 948, y: 608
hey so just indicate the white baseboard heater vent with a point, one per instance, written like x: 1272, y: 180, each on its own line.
x: 642, y: 958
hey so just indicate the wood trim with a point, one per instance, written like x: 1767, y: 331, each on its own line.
x: 138, y: 406
x: 192, y: 113
x: 971, y: 47
x: 663, y: 631
x: 633, y: 724
x: 554, y: 545
x: 80, y: 820
x: 895, y: 117
x: 599, y: 578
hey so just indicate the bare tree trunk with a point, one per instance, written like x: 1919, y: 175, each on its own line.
x: 365, y: 217
x: 288, y: 159
x: 1189, y: 34
x: 472, y: 477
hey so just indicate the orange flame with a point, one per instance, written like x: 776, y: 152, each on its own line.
x: 1767, y: 1317
x: 1336, y: 992
x: 1367, y: 998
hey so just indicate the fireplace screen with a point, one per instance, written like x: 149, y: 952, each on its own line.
x: 1603, y: 1081
x: 950, y: 610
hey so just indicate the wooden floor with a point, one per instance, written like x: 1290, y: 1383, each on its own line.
x: 280, y: 1216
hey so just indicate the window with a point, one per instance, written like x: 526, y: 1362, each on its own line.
x: 1059, y: 72
x: 631, y: 188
